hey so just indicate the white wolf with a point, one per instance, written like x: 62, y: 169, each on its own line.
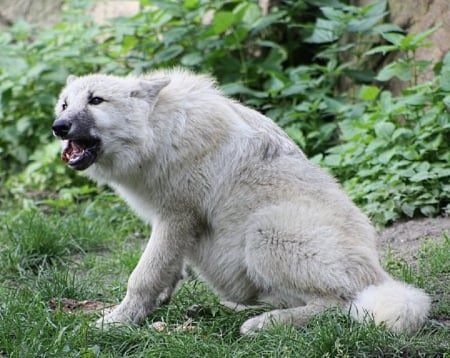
x: 229, y: 193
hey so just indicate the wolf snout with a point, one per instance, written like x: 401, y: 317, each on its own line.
x: 61, y: 127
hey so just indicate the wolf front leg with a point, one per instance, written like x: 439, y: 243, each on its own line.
x: 156, y: 273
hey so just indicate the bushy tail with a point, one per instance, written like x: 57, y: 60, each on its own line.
x: 401, y: 307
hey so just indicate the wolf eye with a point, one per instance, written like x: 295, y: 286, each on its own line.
x: 96, y: 100
x: 64, y: 106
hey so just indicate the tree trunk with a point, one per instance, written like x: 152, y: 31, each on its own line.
x: 42, y: 12
x: 416, y: 16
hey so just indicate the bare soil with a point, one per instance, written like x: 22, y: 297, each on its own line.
x: 404, y: 238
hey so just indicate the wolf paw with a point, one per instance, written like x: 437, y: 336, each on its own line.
x: 123, y: 314
x: 255, y: 324
x: 113, y: 319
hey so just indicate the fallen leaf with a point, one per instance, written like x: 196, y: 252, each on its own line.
x: 85, y: 307
x: 159, y: 326
x: 186, y: 326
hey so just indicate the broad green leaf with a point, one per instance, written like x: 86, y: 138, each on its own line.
x: 386, y: 157
x: 402, y: 132
x: 423, y: 167
x: 375, y: 9
x: 368, y: 93
x: 160, y: 18
x: 332, y: 160
x: 274, y: 60
x: 169, y: 53
x: 374, y: 146
x: 384, y: 130
x: 410, y: 154
x: 332, y: 13
x: 265, y: 21
x: 444, y: 79
x: 386, y: 28
x: 418, y: 39
x: 128, y: 43
x: 364, y: 24
x: 296, y: 134
x: 416, y: 99
x: 294, y: 89
x: 192, y: 59
x: 393, y: 38
x: 421, y: 176
x: 446, y: 60
x: 408, y: 209
x: 381, y: 49
x: 399, y: 69
x: 235, y: 88
x: 23, y: 124
x: 441, y: 172
x: 428, y: 210
x: 248, y: 13
x: 274, y: 84
x: 446, y: 100
x: 235, y: 38
x: 223, y: 20
x: 191, y: 4
x: 333, y: 106
x: 325, y: 31
x: 360, y: 76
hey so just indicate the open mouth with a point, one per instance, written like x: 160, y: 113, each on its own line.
x: 80, y: 154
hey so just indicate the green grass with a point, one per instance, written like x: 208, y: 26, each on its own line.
x: 88, y: 251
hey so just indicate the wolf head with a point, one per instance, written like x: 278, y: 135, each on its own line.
x: 97, y: 116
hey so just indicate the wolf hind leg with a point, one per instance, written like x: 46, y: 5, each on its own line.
x: 239, y: 307
x: 306, y: 259
x: 297, y: 316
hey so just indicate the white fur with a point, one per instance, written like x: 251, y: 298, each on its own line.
x: 228, y: 192
x: 399, y: 306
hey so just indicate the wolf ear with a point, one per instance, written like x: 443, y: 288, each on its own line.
x: 150, y: 88
x: 70, y: 79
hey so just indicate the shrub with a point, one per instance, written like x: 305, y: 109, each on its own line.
x: 390, y: 152
x: 394, y: 152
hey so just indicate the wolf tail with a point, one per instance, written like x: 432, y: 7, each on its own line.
x: 401, y: 307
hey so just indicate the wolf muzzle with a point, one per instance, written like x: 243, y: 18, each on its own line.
x: 61, y: 128
x: 80, y: 148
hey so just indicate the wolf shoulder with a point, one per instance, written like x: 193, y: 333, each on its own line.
x: 201, y: 111
x: 209, y: 128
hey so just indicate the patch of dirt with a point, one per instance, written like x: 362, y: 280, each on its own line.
x: 404, y: 238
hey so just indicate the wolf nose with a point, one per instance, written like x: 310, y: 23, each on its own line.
x: 61, y: 127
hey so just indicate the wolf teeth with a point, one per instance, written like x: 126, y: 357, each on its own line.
x: 74, y: 157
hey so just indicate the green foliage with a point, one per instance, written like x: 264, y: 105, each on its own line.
x: 390, y: 152
x: 407, y: 67
x: 394, y: 154
x: 33, y: 68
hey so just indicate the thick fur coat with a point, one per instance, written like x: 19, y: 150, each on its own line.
x: 226, y: 191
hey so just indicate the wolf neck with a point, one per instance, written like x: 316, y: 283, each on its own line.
x: 177, y: 165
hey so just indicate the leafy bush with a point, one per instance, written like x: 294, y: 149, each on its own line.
x: 246, y: 51
x: 394, y: 157
x: 394, y: 152
x: 390, y: 152
x: 33, y: 68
